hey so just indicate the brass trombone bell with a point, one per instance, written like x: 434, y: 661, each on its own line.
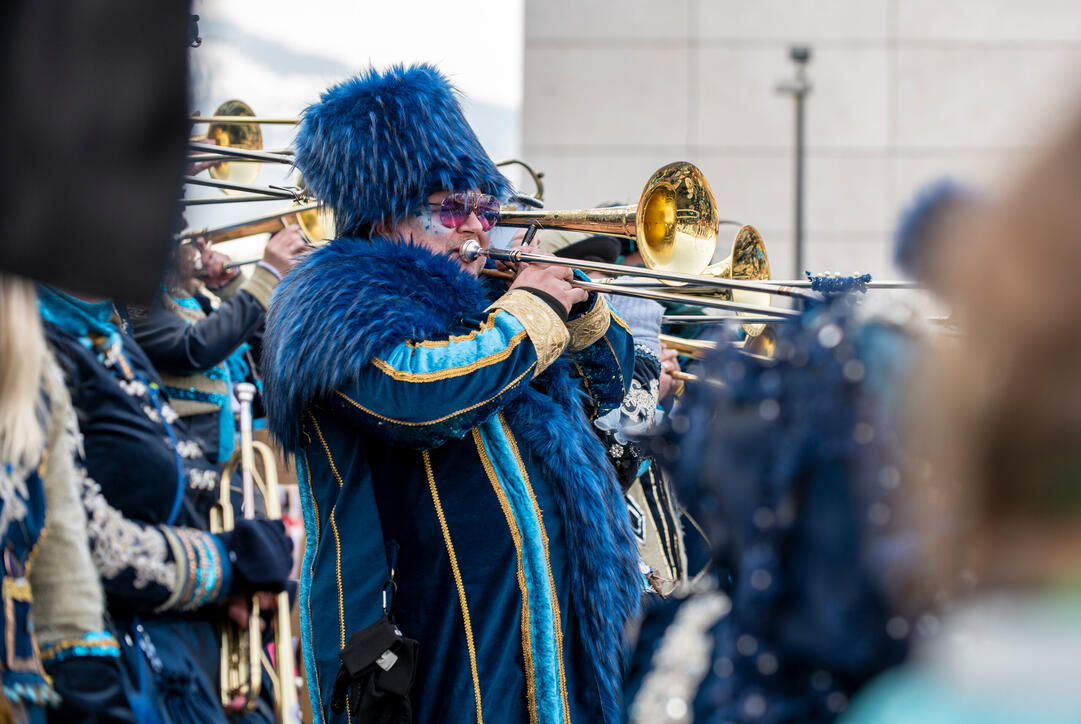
x: 747, y: 261
x: 674, y: 222
x: 244, y: 134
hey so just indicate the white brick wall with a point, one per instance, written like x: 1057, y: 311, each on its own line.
x: 905, y: 91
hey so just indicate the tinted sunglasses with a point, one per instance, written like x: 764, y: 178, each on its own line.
x: 458, y: 205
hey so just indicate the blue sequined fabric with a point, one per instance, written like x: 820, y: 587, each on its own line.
x: 790, y: 466
x: 833, y: 284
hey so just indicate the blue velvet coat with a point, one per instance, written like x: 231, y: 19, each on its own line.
x: 416, y: 414
x: 147, y: 491
x: 22, y: 518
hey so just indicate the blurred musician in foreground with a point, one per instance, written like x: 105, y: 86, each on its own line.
x: 200, y: 350
x: 58, y: 660
x: 1002, y: 432
x: 146, y: 492
x: 439, y: 425
x: 792, y: 469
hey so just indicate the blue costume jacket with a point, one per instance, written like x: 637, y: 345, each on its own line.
x: 22, y: 517
x: 147, y: 490
x: 200, y: 351
x: 424, y: 407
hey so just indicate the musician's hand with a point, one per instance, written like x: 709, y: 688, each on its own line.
x: 194, y: 169
x: 238, y: 608
x: 217, y: 274
x: 516, y: 243
x: 553, y: 280
x: 261, y: 555
x: 669, y: 364
x: 284, y: 248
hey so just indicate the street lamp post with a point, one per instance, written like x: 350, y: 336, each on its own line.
x: 799, y: 87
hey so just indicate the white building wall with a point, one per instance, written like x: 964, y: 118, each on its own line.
x: 905, y: 92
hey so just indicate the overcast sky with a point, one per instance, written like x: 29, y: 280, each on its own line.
x: 279, y: 56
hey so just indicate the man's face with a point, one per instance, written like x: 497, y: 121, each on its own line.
x: 426, y: 229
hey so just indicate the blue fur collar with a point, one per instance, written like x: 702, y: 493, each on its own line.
x: 346, y: 303
x: 353, y: 299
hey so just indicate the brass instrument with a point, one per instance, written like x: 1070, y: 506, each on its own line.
x: 316, y: 223
x: 762, y: 344
x: 696, y: 348
x: 674, y: 222
x: 242, y: 134
x: 748, y: 260
x: 533, y: 173
x: 242, y: 657
x: 675, y: 226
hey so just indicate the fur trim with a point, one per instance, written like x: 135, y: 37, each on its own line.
x: 346, y: 303
x: 605, y: 583
x: 377, y: 145
x: 352, y: 300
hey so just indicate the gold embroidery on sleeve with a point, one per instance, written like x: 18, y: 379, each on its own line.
x: 591, y: 326
x: 545, y: 329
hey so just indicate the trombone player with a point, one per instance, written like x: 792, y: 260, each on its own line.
x: 468, y: 555
x: 201, y: 350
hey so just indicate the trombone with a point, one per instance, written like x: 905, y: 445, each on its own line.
x: 242, y: 659
x: 675, y: 225
x: 315, y: 222
x: 234, y: 141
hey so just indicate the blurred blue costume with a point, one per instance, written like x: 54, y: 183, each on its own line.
x: 201, y: 351
x: 22, y: 519
x: 147, y: 489
x: 791, y: 467
x: 428, y: 407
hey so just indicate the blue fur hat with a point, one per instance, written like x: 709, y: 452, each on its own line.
x: 377, y: 145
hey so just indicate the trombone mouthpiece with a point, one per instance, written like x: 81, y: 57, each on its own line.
x: 470, y: 250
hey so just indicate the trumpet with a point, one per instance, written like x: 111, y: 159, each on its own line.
x: 242, y: 659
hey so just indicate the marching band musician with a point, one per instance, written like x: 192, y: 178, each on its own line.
x: 793, y: 467
x: 57, y: 661
x: 995, y: 507
x: 468, y: 555
x: 200, y: 350
x: 654, y: 511
x: 146, y: 489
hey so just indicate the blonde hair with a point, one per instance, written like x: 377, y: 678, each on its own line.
x: 22, y: 359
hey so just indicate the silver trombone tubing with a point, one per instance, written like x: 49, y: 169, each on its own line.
x: 472, y: 249
x: 775, y: 314
x: 705, y: 319
x: 297, y: 194
x: 214, y: 150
